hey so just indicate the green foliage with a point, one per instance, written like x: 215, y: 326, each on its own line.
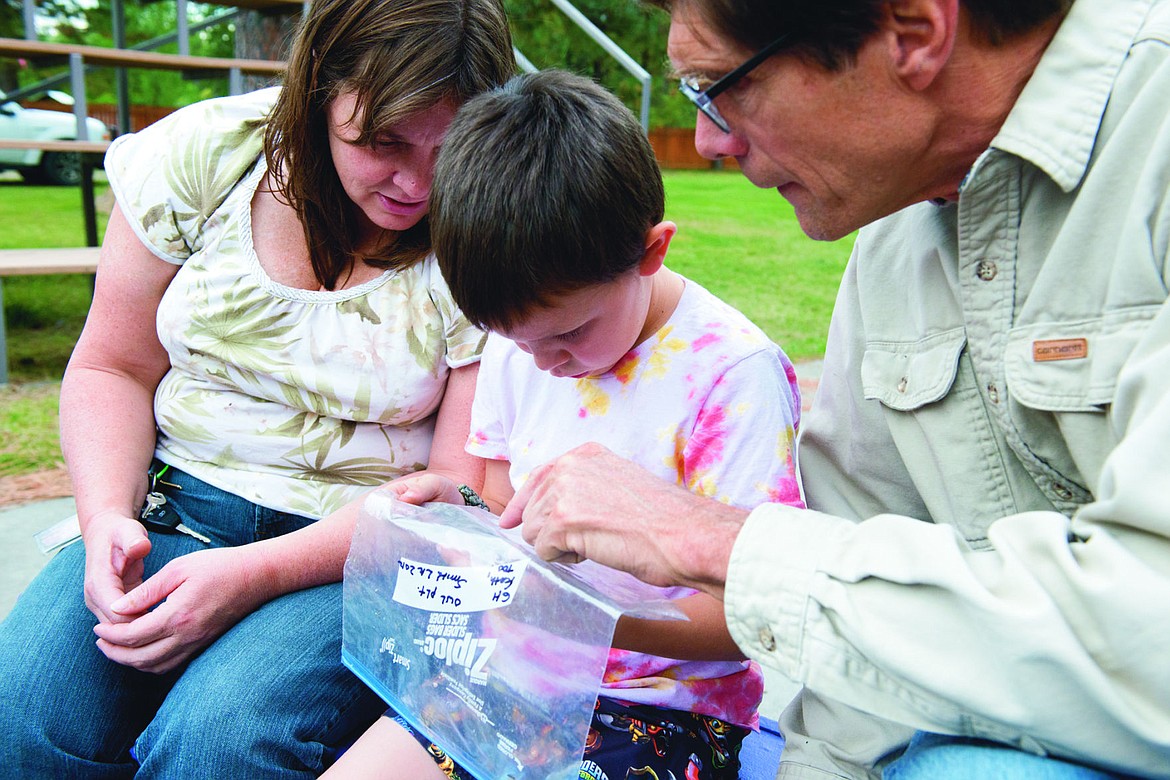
x: 541, y: 32
x: 92, y: 25
x: 59, y: 221
x: 550, y: 39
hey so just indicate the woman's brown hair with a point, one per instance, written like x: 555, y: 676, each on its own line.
x: 399, y: 57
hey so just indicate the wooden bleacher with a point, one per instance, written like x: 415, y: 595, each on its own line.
x: 29, y: 262
x: 130, y: 58
x: 24, y: 262
x: 32, y: 262
x: 97, y: 147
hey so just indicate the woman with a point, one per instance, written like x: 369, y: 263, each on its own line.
x: 269, y: 339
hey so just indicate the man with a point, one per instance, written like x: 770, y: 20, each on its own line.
x: 980, y: 586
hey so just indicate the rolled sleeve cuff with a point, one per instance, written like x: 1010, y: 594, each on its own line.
x: 769, y: 579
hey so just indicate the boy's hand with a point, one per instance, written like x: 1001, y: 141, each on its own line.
x: 421, y: 488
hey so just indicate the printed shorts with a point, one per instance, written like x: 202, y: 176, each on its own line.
x: 635, y: 741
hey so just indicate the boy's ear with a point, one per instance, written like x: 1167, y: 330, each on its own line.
x: 657, y: 242
x: 921, y: 36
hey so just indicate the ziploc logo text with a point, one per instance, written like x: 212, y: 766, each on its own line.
x: 448, y: 639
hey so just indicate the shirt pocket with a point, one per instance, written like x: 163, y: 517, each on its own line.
x: 1061, y: 380
x: 908, y: 375
x: 941, y: 429
x: 1086, y: 379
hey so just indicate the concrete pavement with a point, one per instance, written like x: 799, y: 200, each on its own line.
x: 23, y: 560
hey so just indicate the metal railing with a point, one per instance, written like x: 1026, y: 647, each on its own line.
x: 184, y: 28
x: 615, y: 51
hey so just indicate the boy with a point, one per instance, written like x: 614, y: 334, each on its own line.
x: 546, y: 214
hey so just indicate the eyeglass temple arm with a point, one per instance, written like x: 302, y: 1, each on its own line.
x: 719, y: 86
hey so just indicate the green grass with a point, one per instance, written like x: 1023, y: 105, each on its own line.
x: 744, y: 244
x: 740, y: 242
x: 28, y: 428
x: 44, y: 315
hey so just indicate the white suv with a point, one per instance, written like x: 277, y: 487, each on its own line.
x: 34, y: 124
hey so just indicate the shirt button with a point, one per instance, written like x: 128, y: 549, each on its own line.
x: 993, y: 393
x: 1062, y: 492
x: 903, y: 383
x: 767, y: 639
x: 987, y: 270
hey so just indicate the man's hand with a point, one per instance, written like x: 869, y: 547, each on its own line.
x: 195, y: 599
x: 115, y: 547
x: 589, y: 503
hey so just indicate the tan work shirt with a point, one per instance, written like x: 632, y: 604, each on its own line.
x: 989, y: 450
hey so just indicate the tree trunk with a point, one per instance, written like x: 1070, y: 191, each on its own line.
x: 264, y: 35
x: 11, y: 26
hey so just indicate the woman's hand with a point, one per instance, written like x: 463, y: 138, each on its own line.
x: 115, y: 547
x: 424, y: 487
x: 107, y: 413
x: 195, y: 599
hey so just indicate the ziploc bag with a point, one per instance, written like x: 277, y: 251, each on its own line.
x: 492, y: 653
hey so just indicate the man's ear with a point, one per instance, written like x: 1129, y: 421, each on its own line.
x: 921, y: 37
x: 657, y: 242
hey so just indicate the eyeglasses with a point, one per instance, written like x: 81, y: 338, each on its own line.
x: 704, y: 99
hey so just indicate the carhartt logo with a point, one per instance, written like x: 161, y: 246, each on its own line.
x: 1060, y: 349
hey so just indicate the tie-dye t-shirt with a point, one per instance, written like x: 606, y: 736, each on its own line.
x: 707, y: 402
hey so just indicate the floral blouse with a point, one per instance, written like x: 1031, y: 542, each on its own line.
x: 297, y: 400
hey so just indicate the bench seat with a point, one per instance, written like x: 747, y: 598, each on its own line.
x: 29, y: 262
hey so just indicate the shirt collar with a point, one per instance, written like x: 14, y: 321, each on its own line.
x: 1055, y: 120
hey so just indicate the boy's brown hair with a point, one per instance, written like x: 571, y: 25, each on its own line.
x: 543, y: 186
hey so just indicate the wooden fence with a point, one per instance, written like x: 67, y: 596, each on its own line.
x: 140, y: 116
x: 675, y: 149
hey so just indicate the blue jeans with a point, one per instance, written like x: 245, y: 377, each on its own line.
x: 269, y: 699
x: 932, y: 756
